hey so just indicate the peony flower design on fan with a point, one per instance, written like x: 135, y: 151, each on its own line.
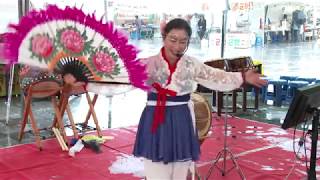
x: 41, y: 46
x: 73, y: 42
x: 105, y: 63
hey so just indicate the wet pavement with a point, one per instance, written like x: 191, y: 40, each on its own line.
x: 298, y: 59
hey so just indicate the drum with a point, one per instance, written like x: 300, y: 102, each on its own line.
x: 239, y: 64
x: 43, y: 84
x: 203, y: 114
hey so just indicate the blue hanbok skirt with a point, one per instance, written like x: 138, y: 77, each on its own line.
x: 175, y: 140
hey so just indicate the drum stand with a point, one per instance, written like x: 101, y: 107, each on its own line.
x: 224, y: 153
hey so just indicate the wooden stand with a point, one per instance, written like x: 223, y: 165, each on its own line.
x: 64, y: 106
x: 39, y: 90
x: 52, y: 89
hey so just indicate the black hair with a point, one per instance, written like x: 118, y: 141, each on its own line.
x: 178, y: 23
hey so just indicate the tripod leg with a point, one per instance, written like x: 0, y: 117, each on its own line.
x: 225, y: 152
x: 236, y: 165
x: 219, y: 155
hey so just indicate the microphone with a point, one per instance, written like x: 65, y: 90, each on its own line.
x: 179, y: 55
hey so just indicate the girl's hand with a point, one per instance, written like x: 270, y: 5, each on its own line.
x: 254, y: 78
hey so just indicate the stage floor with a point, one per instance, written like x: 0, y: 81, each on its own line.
x: 262, y: 151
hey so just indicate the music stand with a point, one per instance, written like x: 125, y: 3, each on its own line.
x: 306, y: 102
x: 224, y: 153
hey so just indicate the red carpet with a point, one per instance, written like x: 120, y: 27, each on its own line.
x: 263, y: 151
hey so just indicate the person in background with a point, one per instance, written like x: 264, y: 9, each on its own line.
x: 138, y: 25
x: 194, y: 26
x: 166, y: 136
x: 284, y: 24
x: 163, y: 23
x: 202, y: 27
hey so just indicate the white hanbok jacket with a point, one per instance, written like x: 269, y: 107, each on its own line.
x: 188, y: 73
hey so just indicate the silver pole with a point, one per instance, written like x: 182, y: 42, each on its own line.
x: 106, y: 10
x: 225, y: 147
x: 9, y: 93
x: 110, y: 112
x: 23, y: 8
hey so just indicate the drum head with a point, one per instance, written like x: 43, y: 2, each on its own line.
x: 38, y: 82
x: 203, y: 114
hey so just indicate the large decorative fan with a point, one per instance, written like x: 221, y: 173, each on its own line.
x: 69, y: 41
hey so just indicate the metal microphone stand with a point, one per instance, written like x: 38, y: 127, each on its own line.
x: 225, y: 152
